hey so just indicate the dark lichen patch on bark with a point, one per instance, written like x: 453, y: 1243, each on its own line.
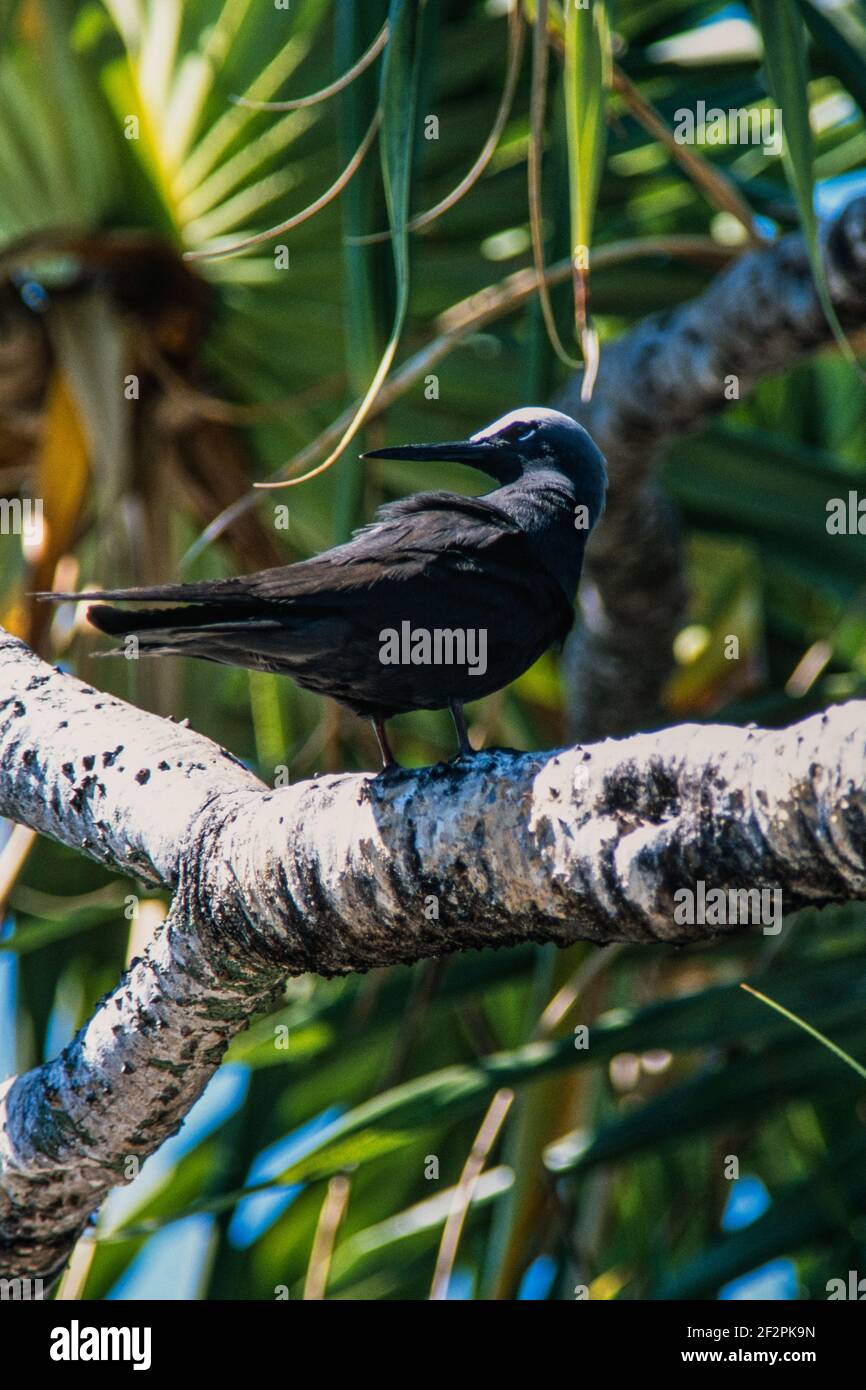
x: 80, y: 794
x: 650, y: 792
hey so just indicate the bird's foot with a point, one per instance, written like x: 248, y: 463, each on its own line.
x: 389, y: 770
x: 465, y: 753
x: 389, y: 762
x: 464, y: 747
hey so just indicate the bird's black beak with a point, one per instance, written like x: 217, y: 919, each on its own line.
x: 461, y: 451
x: 488, y: 456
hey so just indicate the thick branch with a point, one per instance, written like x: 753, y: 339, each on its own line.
x: 665, y: 378
x: 98, y: 774
x: 349, y: 872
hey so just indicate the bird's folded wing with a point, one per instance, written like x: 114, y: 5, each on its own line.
x: 422, y: 535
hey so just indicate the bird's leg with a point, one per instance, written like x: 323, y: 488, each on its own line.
x: 465, y: 747
x: 388, y: 759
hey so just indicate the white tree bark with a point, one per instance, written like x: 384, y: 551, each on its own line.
x: 344, y: 873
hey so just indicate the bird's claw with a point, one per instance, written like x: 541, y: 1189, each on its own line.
x: 463, y: 755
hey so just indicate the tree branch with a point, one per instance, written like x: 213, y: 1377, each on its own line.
x: 345, y: 873
x: 665, y: 378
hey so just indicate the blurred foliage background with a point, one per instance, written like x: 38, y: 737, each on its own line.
x: 140, y: 396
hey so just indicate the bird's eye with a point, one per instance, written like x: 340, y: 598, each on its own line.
x: 519, y: 432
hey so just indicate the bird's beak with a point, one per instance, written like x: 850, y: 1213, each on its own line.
x: 477, y: 453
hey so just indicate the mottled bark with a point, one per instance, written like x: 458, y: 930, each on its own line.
x: 666, y: 378
x: 344, y: 873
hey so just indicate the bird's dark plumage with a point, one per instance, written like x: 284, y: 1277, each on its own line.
x: 506, y: 565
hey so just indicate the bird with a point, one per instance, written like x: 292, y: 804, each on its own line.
x: 441, y: 599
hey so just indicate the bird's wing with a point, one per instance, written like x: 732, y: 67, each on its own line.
x: 402, y: 532
x: 420, y: 535
x: 451, y: 559
x: 458, y: 556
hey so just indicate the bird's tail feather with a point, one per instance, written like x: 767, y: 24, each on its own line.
x: 118, y: 622
x: 225, y: 641
x: 205, y: 592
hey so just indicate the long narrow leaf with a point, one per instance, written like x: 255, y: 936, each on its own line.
x: 586, y: 71
x: 807, y: 1028
x: 398, y: 93
x: 788, y: 79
